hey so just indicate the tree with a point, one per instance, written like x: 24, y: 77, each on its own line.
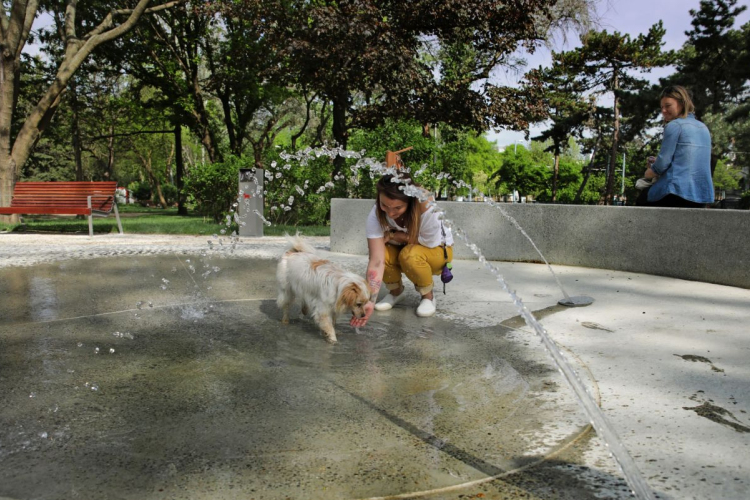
x: 726, y: 177
x: 520, y: 172
x: 569, y: 112
x: 714, y: 63
x: 167, y: 53
x: 14, y: 33
x: 602, y: 65
x: 708, y: 63
x: 423, y: 60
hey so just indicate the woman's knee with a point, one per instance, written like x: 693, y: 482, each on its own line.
x: 410, y: 255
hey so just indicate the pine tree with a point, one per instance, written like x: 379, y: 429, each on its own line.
x: 603, y: 64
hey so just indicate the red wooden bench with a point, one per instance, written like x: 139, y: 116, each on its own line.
x: 65, y: 198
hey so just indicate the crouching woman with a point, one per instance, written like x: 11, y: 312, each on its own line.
x: 405, y: 236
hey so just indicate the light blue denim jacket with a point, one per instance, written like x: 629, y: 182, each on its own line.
x: 684, y: 162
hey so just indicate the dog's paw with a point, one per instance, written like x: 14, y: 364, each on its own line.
x: 284, y: 321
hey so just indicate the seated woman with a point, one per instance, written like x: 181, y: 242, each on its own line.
x: 404, y: 236
x: 683, y: 166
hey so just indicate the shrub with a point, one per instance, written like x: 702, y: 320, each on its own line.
x: 141, y: 191
x: 170, y: 194
x: 214, y: 187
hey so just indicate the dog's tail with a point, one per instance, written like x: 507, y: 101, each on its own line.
x: 298, y: 244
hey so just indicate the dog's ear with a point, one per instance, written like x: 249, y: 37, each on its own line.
x: 349, y: 296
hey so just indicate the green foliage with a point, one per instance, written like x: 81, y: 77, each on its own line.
x: 726, y: 177
x: 730, y: 135
x: 141, y: 191
x: 214, y: 187
x: 293, y: 190
x: 710, y: 62
x: 482, y: 155
x: 170, y: 194
x: 745, y: 201
x: 520, y: 171
x: 447, y: 151
x: 568, y: 181
x: 394, y: 135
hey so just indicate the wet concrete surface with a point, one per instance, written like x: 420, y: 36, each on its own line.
x: 172, y: 377
x: 206, y: 395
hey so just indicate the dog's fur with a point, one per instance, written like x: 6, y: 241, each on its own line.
x: 323, y: 289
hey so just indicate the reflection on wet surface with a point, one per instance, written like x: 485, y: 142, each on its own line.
x: 164, y: 377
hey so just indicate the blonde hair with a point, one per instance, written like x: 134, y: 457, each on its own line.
x: 681, y: 95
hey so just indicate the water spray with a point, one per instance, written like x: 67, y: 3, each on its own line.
x: 597, y: 419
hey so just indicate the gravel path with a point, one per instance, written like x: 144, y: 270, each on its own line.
x: 32, y: 249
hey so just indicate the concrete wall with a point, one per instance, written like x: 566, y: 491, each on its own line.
x: 693, y: 244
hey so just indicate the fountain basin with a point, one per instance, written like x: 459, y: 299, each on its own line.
x: 204, y: 402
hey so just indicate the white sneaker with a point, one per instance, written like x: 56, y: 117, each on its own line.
x: 426, y: 308
x: 389, y: 301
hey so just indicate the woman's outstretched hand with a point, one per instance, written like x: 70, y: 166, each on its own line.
x: 359, y: 322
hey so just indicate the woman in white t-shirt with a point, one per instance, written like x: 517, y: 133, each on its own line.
x: 404, y: 236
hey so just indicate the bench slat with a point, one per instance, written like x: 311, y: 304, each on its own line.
x: 45, y: 210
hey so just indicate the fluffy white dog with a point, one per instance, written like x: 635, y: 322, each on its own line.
x: 323, y: 289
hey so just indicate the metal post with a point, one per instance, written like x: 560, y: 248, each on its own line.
x: 250, y: 201
x: 91, y: 216
x: 622, y: 193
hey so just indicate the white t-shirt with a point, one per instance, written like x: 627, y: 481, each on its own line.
x: 430, y: 228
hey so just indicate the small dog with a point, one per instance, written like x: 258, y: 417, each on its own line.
x: 323, y: 289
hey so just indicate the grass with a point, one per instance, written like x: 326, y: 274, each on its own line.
x: 144, y: 220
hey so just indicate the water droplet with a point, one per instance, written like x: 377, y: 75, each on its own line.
x: 32, y: 395
x: 96, y: 350
x: 111, y: 350
x: 80, y: 344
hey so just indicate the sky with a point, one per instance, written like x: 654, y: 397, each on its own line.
x: 633, y: 17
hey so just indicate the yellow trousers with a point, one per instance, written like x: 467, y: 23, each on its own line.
x: 419, y: 263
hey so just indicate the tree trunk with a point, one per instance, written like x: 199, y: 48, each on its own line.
x: 8, y: 90
x: 588, y: 171
x: 341, y: 136
x: 147, y: 166
x: 554, y: 177
x: 76, y: 130
x: 180, y: 168
x: 110, y: 153
x: 615, y: 138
